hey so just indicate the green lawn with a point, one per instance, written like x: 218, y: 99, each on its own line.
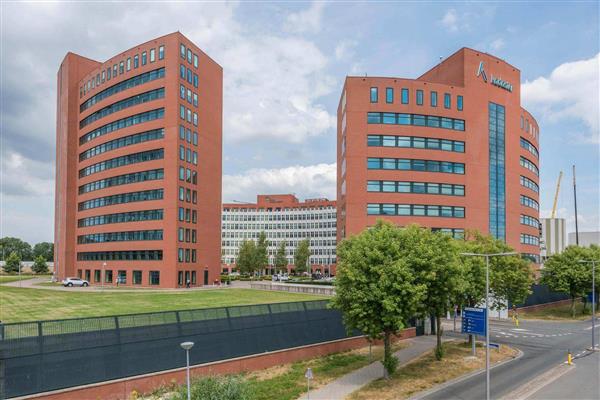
x: 560, y: 312
x: 14, y: 278
x: 17, y: 305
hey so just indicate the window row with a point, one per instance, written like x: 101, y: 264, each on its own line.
x: 187, y: 135
x: 123, y: 142
x: 191, y: 57
x: 117, y: 218
x: 534, y: 258
x: 188, y: 195
x: 530, y: 239
x: 525, y: 163
x: 529, y: 202
x: 129, y: 236
x: 415, y: 143
x: 530, y: 221
x: 187, y: 115
x: 122, y: 105
x: 132, y: 197
x: 120, y: 68
x: 187, y: 235
x: 187, y: 75
x: 419, y: 97
x: 528, y: 183
x: 186, y: 255
x: 456, y: 233
x: 128, y: 159
x: 136, y: 276
x: 124, y: 85
x: 186, y: 174
x: 276, y: 216
x: 140, y: 118
x: 416, y: 210
x: 528, y: 127
x: 187, y: 215
x: 126, y: 255
x: 134, y: 177
x: 189, y: 278
x: 529, y: 147
x: 405, y: 164
x: 187, y: 154
x: 416, y: 120
x: 185, y: 93
x: 416, y: 187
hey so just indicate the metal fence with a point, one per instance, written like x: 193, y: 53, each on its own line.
x: 541, y: 294
x: 48, y: 355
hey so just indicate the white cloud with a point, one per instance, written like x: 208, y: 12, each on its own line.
x: 571, y: 91
x: 450, y: 20
x: 21, y: 176
x: 345, y: 49
x: 305, y: 181
x: 308, y: 20
x: 497, y: 44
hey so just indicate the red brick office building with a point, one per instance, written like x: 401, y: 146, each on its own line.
x: 450, y: 150
x: 138, y: 166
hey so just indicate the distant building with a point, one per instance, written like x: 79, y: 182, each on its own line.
x: 283, y: 218
x: 585, y: 238
x: 554, y: 237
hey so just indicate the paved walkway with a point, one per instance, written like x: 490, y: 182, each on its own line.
x: 342, y: 387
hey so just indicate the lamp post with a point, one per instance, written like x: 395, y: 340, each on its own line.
x: 487, y: 312
x: 187, y: 346
x: 103, y: 278
x: 593, y: 262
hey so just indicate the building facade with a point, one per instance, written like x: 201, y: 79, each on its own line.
x: 283, y: 218
x: 451, y: 150
x: 554, y: 237
x: 585, y: 238
x: 138, y: 166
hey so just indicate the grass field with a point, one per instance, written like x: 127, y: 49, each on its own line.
x: 560, y: 312
x: 15, y: 278
x: 17, y: 305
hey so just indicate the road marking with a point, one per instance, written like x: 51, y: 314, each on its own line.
x: 519, y: 329
x: 589, y: 327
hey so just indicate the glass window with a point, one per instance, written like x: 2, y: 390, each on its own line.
x: 128, y: 63
x: 404, y: 209
x: 181, y: 112
x: 403, y: 187
x: 373, y: 209
x: 108, y: 276
x: 433, y: 121
x: 404, y: 96
x: 446, y: 211
x: 459, y: 103
x: 195, y: 80
x: 404, y: 119
x: 108, y: 70
x: 447, y: 100
x: 389, y: 118
x: 154, y: 277
x: 144, y: 58
x: 373, y: 95
x: 121, y: 67
x: 446, y: 189
x: 182, y: 91
x: 389, y: 186
x: 373, y: 118
x: 418, y: 120
x: 418, y: 165
x: 195, y: 61
x: 389, y: 95
x: 433, y: 211
x: 136, y: 61
x: 433, y: 99
x: 389, y: 141
x: 152, y: 55
x: 459, y: 147
x: 189, y: 96
x: 433, y: 144
x: 419, y: 143
x: 189, y: 55
x: 446, y: 145
x: 373, y: 140
x: 373, y: 163
x: 389, y: 163
x: 404, y: 164
x: 161, y: 52
x: 419, y: 97
x: 459, y: 168
x: 404, y: 141
x: 433, y: 188
x: 195, y: 138
x: 182, y: 51
x: 373, y: 186
x: 459, y: 190
x: 388, y: 209
x: 195, y: 102
x: 137, y: 277
x: 447, y: 123
x: 418, y: 187
x: 418, y: 210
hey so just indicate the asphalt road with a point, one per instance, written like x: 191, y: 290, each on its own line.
x: 544, y: 345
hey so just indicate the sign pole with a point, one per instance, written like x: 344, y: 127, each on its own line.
x: 487, y: 330
x: 474, y: 337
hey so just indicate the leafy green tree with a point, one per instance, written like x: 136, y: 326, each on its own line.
x: 246, y: 260
x: 39, y: 265
x: 302, y: 255
x: 565, y: 273
x: 261, y: 254
x: 13, y: 261
x: 12, y: 244
x: 280, y: 257
x: 376, y: 288
x: 45, y: 249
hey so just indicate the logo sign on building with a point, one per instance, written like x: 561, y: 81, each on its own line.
x: 473, y: 321
x: 494, y: 80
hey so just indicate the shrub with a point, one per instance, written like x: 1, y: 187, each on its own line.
x: 215, y: 388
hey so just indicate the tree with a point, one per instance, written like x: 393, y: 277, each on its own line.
x: 376, y: 288
x: 12, y: 244
x: 13, y: 261
x: 261, y: 254
x: 246, y: 257
x: 565, y: 273
x: 302, y: 256
x: 39, y: 265
x: 433, y: 256
x: 281, y: 261
x: 45, y: 249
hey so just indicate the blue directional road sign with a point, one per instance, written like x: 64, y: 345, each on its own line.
x: 473, y: 321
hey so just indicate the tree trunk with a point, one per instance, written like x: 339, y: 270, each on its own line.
x: 440, y: 351
x: 387, y: 353
x: 572, y: 306
x: 584, y: 303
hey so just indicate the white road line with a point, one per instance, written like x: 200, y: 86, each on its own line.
x: 589, y: 327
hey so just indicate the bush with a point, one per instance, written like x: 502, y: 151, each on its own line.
x: 215, y: 388
x: 39, y: 266
x: 12, y: 263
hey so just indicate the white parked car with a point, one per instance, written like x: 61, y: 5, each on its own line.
x: 280, y: 277
x: 75, y: 282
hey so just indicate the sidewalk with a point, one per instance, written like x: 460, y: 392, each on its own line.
x: 343, y: 386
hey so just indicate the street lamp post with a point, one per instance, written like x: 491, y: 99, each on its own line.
x: 103, y: 278
x: 487, y: 312
x: 593, y: 262
x: 187, y: 346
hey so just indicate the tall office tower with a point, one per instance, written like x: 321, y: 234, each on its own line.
x: 451, y: 150
x: 138, y: 166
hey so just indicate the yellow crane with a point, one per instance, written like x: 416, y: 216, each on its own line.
x: 556, y: 195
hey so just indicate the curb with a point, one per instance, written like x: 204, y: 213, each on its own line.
x: 461, y: 378
x: 539, y: 382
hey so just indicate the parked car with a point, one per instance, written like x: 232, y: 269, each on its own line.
x: 280, y: 277
x: 75, y: 282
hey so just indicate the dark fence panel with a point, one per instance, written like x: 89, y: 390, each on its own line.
x: 49, y: 355
x: 542, y: 294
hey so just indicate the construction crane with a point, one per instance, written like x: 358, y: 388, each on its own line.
x: 556, y: 195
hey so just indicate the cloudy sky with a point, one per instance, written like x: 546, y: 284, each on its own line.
x: 284, y: 65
